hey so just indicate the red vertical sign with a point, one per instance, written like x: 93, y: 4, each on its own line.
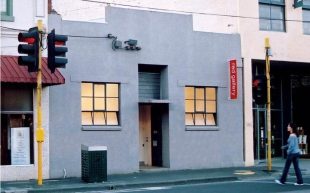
x: 233, y: 80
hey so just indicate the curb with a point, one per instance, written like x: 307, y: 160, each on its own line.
x: 116, y: 186
x: 178, y: 182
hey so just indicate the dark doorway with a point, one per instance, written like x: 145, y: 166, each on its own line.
x: 301, y: 111
x: 156, y: 129
x: 301, y: 107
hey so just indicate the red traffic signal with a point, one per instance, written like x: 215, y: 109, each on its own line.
x: 22, y: 38
x: 56, y: 48
x: 31, y: 49
x: 260, y: 89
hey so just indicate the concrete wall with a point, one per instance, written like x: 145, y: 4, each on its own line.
x: 238, y: 16
x: 192, y: 58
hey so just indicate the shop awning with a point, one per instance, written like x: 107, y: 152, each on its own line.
x: 12, y: 72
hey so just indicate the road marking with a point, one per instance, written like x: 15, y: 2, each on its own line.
x: 131, y: 190
x: 267, y: 182
x: 155, y: 188
x: 244, y: 172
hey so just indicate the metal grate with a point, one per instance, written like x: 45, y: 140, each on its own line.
x: 94, y: 166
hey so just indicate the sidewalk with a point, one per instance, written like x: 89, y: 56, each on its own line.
x: 153, y: 178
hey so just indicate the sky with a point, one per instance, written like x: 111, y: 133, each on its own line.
x: 203, y: 11
x: 94, y: 10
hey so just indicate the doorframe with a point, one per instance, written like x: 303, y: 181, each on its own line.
x: 151, y: 116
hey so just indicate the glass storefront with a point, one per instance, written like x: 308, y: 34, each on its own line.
x: 290, y: 93
x: 17, y: 125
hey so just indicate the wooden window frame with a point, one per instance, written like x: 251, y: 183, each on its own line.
x: 105, y: 112
x: 204, y: 113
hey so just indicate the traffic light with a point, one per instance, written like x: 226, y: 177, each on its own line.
x: 32, y: 49
x: 260, y: 89
x: 56, y: 47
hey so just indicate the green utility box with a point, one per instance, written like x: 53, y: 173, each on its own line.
x: 94, y: 163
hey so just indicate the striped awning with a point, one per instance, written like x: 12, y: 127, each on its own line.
x: 12, y: 72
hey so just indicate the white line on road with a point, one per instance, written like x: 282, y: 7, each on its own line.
x: 131, y: 190
x: 267, y: 182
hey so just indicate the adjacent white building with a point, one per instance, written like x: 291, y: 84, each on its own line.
x: 18, y: 101
x: 18, y: 16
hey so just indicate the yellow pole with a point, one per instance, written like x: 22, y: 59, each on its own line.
x: 40, y: 130
x: 267, y: 47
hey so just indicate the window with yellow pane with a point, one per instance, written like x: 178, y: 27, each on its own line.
x: 200, y: 106
x: 100, y: 103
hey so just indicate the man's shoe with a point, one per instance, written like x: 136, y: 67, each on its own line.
x: 279, y: 182
x: 296, y: 184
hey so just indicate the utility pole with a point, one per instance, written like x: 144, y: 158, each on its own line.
x: 268, y: 54
x: 40, y: 130
x: 33, y: 61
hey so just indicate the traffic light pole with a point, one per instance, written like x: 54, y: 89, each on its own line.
x: 40, y: 130
x: 267, y: 47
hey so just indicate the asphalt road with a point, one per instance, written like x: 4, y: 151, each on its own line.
x: 242, y: 186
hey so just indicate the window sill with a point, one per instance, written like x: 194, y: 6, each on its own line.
x: 18, y: 165
x: 202, y: 128
x: 101, y: 128
x: 7, y: 18
x: 273, y: 30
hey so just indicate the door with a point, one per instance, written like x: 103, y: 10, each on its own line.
x: 150, y: 135
x: 260, y: 134
x: 145, y: 135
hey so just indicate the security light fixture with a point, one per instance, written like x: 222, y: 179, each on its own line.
x: 132, y: 45
x: 131, y: 42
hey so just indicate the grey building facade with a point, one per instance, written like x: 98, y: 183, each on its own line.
x: 165, y: 105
